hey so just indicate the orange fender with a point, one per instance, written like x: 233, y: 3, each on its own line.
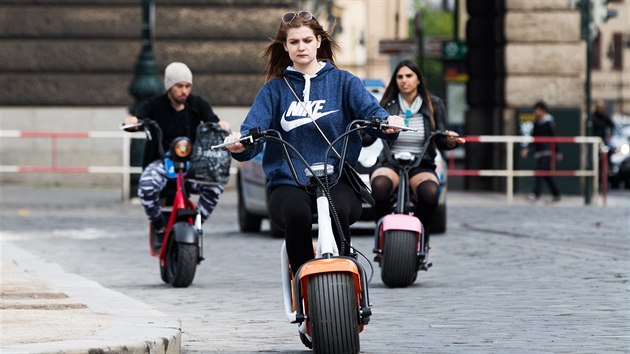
x: 327, y: 265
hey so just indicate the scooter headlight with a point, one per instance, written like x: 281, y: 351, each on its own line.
x: 182, y: 147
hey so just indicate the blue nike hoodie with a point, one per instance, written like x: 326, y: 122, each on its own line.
x: 334, y: 98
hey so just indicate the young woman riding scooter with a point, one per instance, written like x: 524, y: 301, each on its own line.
x: 407, y: 95
x: 305, y: 92
x: 310, y: 103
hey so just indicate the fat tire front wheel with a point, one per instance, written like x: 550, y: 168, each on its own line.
x: 182, y: 263
x: 333, y: 313
x: 399, y: 264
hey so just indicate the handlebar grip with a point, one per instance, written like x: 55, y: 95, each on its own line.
x: 128, y: 126
x: 401, y: 127
x: 248, y: 139
x: 376, y: 122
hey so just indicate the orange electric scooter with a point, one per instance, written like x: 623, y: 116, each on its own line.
x: 328, y: 297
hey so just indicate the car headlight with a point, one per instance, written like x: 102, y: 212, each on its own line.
x: 182, y: 147
x: 624, y: 149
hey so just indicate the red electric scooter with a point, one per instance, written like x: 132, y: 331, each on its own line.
x: 182, y: 248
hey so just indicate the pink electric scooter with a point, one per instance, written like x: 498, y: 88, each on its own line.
x: 401, y: 243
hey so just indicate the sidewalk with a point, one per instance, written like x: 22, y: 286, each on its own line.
x: 46, y: 310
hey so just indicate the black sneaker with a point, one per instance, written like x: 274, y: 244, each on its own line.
x: 157, y: 234
x: 157, y: 238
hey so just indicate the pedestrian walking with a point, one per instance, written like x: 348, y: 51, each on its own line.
x: 543, y: 152
x: 603, y: 127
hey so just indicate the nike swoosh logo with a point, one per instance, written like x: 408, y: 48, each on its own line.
x: 290, y: 125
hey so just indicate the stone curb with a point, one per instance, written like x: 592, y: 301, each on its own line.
x: 114, y: 322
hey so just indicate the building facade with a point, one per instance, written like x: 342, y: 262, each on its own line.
x: 67, y: 65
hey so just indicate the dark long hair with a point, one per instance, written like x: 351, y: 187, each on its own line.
x: 392, y: 91
x: 278, y: 59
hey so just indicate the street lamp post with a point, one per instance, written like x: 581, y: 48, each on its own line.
x: 145, y: 84
x: 419, y: 28
x: 586, y: 35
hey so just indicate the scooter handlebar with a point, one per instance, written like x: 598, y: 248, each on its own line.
x: 377, y: 123
x: 123, y: 126
x: 146, y: 125
x: 401, y: 127
x: 245, y: 140
x: 253, y: 135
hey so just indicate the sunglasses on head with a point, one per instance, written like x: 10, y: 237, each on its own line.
x: 290, y: 16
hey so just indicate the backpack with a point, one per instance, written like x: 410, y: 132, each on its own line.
x: 207, y: 165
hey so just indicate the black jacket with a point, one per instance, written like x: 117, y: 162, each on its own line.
x: 173, y: 123
x: 544, y: 127
x: 439, y: 114
x: 602, y: 126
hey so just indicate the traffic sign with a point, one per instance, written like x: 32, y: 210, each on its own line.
x: 454, y: 50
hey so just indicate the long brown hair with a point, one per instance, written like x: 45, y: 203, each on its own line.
x: 392, y: 90
x: 278, y: 59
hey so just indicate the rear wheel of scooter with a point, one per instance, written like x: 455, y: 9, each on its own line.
x: 399, y: 263
x: 333, y: 313
x: 182, y: 263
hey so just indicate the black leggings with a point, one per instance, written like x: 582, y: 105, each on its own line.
x: 426, y: 198
x: 291, y: 209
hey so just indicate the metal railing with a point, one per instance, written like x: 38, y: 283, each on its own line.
x: 125, y: 170
x: 510, y: 173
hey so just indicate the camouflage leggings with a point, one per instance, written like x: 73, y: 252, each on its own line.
x: 152, y: 182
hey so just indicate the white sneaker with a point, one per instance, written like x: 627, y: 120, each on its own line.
x: 531, y: 198
x: 554, y: 200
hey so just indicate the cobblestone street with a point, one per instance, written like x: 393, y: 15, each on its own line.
x: 506, y: 279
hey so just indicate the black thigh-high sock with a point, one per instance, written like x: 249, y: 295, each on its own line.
x: 427, y: 194
x: 382, y: 189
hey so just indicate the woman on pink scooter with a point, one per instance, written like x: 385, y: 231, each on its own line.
x: 407, y: 95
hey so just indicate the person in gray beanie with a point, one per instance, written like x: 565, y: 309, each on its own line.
x: 178, y: 113
x: 176, y: 72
